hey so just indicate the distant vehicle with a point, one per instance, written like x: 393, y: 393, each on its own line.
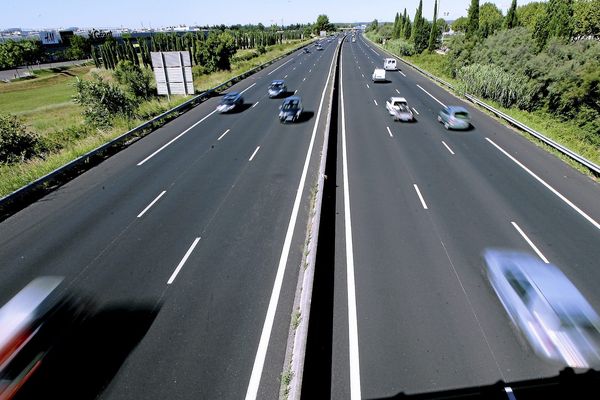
x: 379, y: 75
x: 306, y: 50
x: 454, y: 117
x: 277, y: 88
x: 230, y: 101
x: 291, y: 109
x: 353, y: 39
x: 399, y: 109
x: 555, y: 318
x: 33, y: 324
x: 389, y: 64
x: 319, y: 47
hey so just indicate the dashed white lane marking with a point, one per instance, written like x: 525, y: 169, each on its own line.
x: 151, y: 204
x: 253, y: 154
x: 183, y: 260
x: 449, y: 149
x: 223, y: 135
x: 533, y: 246
x: 420, y: 196
x: 430, y: 95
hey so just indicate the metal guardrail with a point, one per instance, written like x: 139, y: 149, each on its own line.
x: 557, y: 146
x: 79, y: 161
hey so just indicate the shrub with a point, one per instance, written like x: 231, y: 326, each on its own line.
x: 137, y: 80
x: 16, y: 142
x: 101, y: 101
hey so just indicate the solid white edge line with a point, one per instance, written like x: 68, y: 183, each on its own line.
x: 172, y: 140
x: 255, y: 104
x: 390, y: 132
x: 151, y: 204
x: 261, y: 352
x: 430, y: 95
x: 253, y: 154
x: 533, y: 246
x: 448, y: 147
x: 279, y: 67
x: 415, y: 110
x: 223, y: 135
x: 183, y: 260
x: 420, y: 196
x: 560, y: 196
x: 352, y: 317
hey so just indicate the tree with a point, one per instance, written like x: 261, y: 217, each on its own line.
x: 490, y: 19
x: 11, y: 54
x: 134, y: 78
x: 528, y: 14
x: 586, y: 19
x: 79, y: 48
x: 473, y: 19
x: 407, y: 28
x: 460, y: 25
x: 560, y: 15
x: 403, y: 24
x: 418, y: 23
x: 433, y: 35
x: 396, y: 30
x: 373, y: 26
x: 323, y: 24
x: 511, y: 16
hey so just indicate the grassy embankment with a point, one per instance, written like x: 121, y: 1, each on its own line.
x: 45, y: 105
x: 567, y: 133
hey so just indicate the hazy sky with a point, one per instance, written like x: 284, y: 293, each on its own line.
x: 154, y: 13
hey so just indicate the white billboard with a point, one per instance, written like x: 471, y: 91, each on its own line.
x: 50, y: 37
x: 173, y: 72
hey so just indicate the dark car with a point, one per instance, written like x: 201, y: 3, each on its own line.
x: 277, y: 88
x: 291, y: 109
x: 306, y: 50
x: 230, y: 101
x: 454, y: 117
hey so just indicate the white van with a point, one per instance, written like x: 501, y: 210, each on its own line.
x: 379, y: 75
x: 389, y: 64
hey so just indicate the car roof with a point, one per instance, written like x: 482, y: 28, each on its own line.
x: 231, y: 95
x: 556, y: 288
x: 291, y: 99
x: 394, y: 99
x: 457, y: 109
x: 277, y: 81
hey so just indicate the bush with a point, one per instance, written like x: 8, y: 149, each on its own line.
x: 400, y: 47
x: 493, y: 83
x: 16, y: 142
x: 101, y: 101
x: 137, y: 80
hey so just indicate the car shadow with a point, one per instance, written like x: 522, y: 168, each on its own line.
x: 240, y: 109
x: 81, y: 365
x: 305, y: 117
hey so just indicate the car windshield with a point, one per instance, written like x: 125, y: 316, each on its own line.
x: 461, y: 115
x: 276, y: 85
x: 290, y: 105
x: 228, y: 100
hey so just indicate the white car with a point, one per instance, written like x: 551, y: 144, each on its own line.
x: 546, y: 307
x: 399, y: 109
x: 379, y: 75
x: 389, y: 64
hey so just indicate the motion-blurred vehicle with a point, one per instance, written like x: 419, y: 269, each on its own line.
x: 230, y: 101
x: 34, y: 323
x: 389, y: 64
x: 277, y: 88
x: 555, y: 318
x: 291, y: 109
x: 399, y: 109
x: 454, y: 117
x: 319, y: 47
x: 306, y: 50
x: 379, y: 75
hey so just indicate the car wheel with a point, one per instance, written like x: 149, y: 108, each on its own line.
x: 446, y: 125
x: 439, y: 119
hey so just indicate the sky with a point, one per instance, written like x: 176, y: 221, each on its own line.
x: 37, y: 14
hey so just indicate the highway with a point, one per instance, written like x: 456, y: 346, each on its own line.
x: 416, y: 205
x: 189, y: 241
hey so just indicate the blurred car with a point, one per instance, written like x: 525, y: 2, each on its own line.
x: 319, y: 47
x: 277, y: 88
x: 291, y: 109
x: 229, y: 102
x: 554, y: 317
x: 306, y: 50
x: 399, y: 109
x: 454, y: 117
x: 32, y: 325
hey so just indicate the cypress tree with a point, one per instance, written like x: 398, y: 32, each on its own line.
x: 473, y: 19
x: 434, y: 30
x: 418, y: 23
x: 511, y: 17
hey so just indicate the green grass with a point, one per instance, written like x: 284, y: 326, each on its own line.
x: 567, y: 133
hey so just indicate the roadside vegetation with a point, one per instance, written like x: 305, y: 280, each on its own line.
x: 539, y: 63
x: 57, y: 115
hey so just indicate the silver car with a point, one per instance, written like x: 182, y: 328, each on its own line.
x: 454, y: 117
x: 554, y: 317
